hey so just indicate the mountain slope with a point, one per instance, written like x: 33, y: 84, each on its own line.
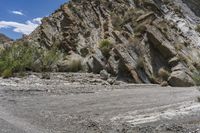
x: 4, y: 38
x: 140, y: 41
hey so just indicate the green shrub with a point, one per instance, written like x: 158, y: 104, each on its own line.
x: 21, y: 57
x: 17, y: 58
x: 105, y: 46
x: 49, y: 59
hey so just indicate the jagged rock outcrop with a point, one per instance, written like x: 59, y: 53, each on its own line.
x: 146, y: 36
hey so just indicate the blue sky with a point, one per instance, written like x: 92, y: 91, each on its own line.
x: 19, y: 17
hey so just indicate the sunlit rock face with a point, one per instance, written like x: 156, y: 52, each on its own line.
x: 153, y: 41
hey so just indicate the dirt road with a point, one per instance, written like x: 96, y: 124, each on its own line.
x: 56, y: 105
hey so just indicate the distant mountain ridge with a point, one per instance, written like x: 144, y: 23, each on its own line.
x: 4, y: 38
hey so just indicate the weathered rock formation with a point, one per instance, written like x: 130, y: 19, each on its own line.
x: 153, y: 41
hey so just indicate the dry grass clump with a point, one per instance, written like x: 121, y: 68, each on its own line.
x: 75, y: 64
x: 163, y: 73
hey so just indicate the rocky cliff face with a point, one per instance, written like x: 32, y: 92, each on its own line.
x: 151, y: 41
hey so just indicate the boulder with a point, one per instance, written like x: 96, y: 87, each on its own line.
x: 104, y: 74
x: 180, y: 79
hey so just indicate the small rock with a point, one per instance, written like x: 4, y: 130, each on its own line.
x: 164, y: 84
x: 104, y: 74
x: 111, y: 81
x: 45, y: 76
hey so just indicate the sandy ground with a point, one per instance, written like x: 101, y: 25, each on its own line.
x: 83, y: 103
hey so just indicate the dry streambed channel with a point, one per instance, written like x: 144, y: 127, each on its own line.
x: 84, y: 103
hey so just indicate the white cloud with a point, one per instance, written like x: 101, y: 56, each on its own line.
x: 37, y: 20
x: 17, y: 13
x: 24, y: 28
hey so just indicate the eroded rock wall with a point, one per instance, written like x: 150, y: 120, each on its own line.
x: 153, y: 41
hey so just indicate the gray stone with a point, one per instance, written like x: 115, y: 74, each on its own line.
x: 104, y: 74
x: 180, y: 79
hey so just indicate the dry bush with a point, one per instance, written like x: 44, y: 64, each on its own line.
x: 163, y: 73
x: 75, y: 64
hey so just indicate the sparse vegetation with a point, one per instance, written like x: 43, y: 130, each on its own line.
x: 7, y: 73
x: 105, y: 46
x: 49, y: 59
x: 22, y: 57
